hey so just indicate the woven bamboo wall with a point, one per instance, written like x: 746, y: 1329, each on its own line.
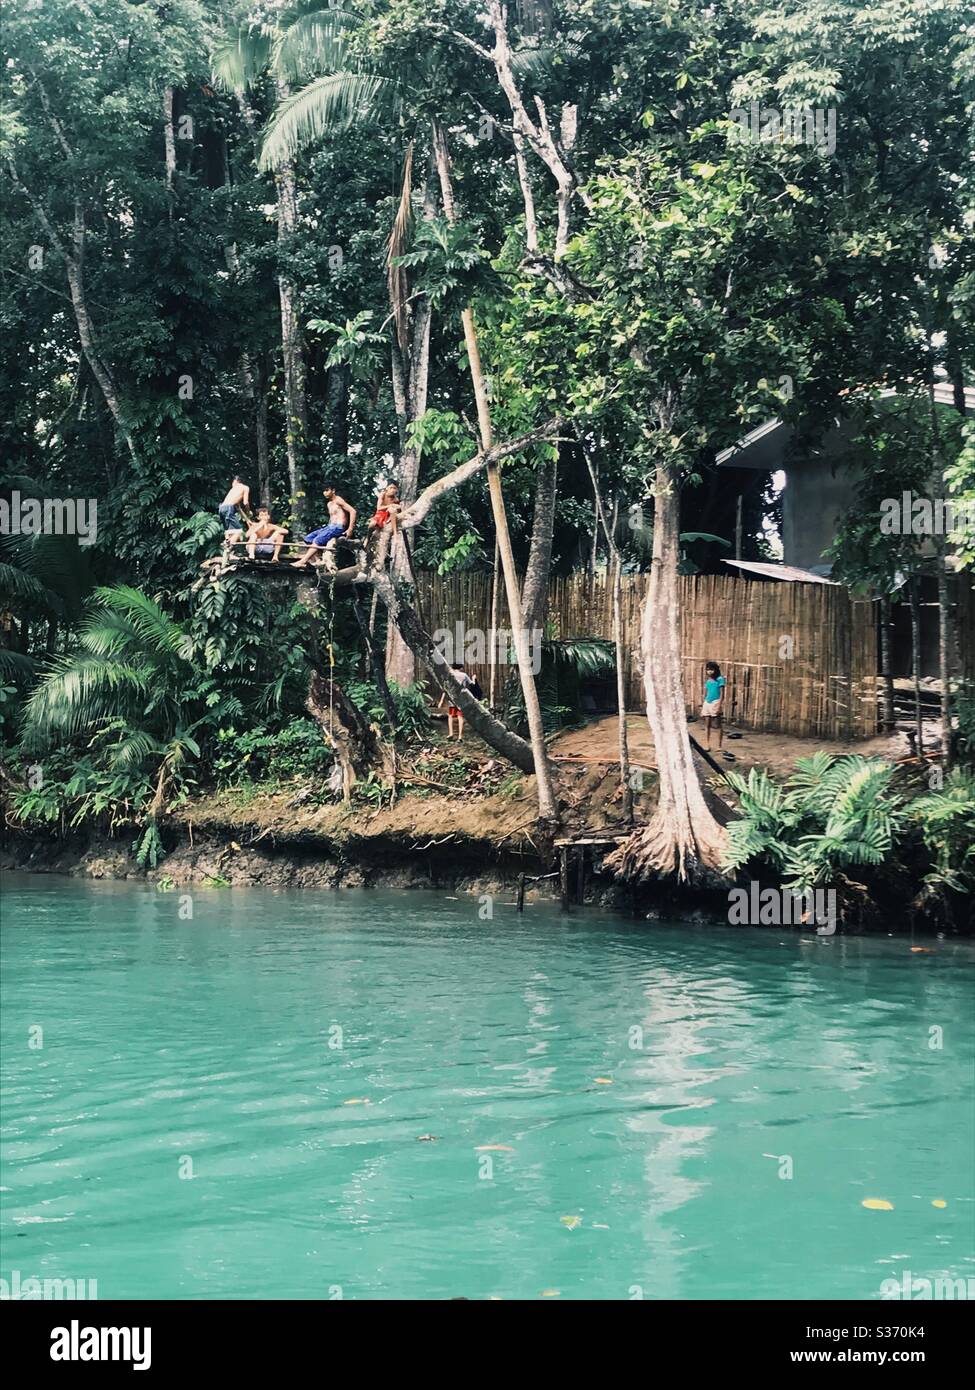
x: 799, y: 658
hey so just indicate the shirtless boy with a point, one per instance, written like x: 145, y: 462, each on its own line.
x: 233, y: 525
x: 387, y: 509
x: 265, y: 536
x: 338, y: 509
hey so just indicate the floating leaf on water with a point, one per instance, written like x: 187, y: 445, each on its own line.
x: 603, y: 1081
x: 921, y: 951
x: 877, y: 1204
x: 938, y: 1202
x: 551, y: 1293
x: 494, y: 1149
x: 571, y: 1222
x: 362, y: 1101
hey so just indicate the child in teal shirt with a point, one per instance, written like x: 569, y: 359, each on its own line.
x: 714, y: 686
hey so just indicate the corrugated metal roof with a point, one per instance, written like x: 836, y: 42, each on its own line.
x: 787, y: 572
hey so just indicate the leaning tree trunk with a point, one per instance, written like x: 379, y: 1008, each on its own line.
x: 547, y: 809
x: 412, y: 321
x: 683, y: 836
x: 495, y: 734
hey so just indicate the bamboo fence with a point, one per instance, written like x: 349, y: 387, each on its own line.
x: 799, y: 658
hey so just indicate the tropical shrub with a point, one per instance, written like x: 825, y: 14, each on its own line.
x: 946, y: 819
x: 131, y: 689
x: 296, y: 750
x: 565, y: 664
x: 831, y: 814
x: 410, y: 702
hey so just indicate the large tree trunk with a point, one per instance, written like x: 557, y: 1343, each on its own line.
x: 683, y: 837
x: 345, y: 730
x: 626, y: 788
x: 292, y: 345
x: 74, y: 266
x: 946, y: 623
x: 259, y: 386
x: 534, y: 594
x: 337, y: 381
x: 547, y: 809
x: 410, y: 351
x: 255, y: 391
x: 169, y: 137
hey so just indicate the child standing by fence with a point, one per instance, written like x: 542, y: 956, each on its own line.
x: 714, y: 688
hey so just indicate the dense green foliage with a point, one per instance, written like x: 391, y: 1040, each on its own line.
x: 707, y: 284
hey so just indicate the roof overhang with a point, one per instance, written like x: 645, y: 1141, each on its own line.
x: 765, y: 446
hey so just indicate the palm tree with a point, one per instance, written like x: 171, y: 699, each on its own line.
x: 288, y: 51
x: 132, y: 685
x: 347, y: 91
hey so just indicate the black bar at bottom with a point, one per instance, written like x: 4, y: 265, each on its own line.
x: 64, y: 1339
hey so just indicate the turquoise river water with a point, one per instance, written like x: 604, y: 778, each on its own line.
x: 232, y: 1105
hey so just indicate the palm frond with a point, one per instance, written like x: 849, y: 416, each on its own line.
x: 809, y: 772
x: 587, y: 656
x: 239, y: 59
x: 133, y: 749
x: 15, y: 666
x: 331, y: 103
x: 78, y: 693
x: 155, y: 629
x: 19, y: 586
x: 315, y: 42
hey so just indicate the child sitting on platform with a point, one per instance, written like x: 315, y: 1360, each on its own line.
x: 264, y: 537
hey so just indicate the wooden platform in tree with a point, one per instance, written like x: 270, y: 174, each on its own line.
x: 234, y: 559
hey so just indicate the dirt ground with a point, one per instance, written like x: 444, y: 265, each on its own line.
x: 777, y: 752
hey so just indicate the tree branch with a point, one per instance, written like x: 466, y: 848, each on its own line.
x: 413, y: 515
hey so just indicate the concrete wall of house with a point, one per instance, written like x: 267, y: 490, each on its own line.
x: 814, y: 499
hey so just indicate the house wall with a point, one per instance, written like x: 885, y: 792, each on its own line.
x: 813, y: 502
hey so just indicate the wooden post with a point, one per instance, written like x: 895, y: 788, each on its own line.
x: 581, y: 876
x: 564, y: 877
x: 521, y: 892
